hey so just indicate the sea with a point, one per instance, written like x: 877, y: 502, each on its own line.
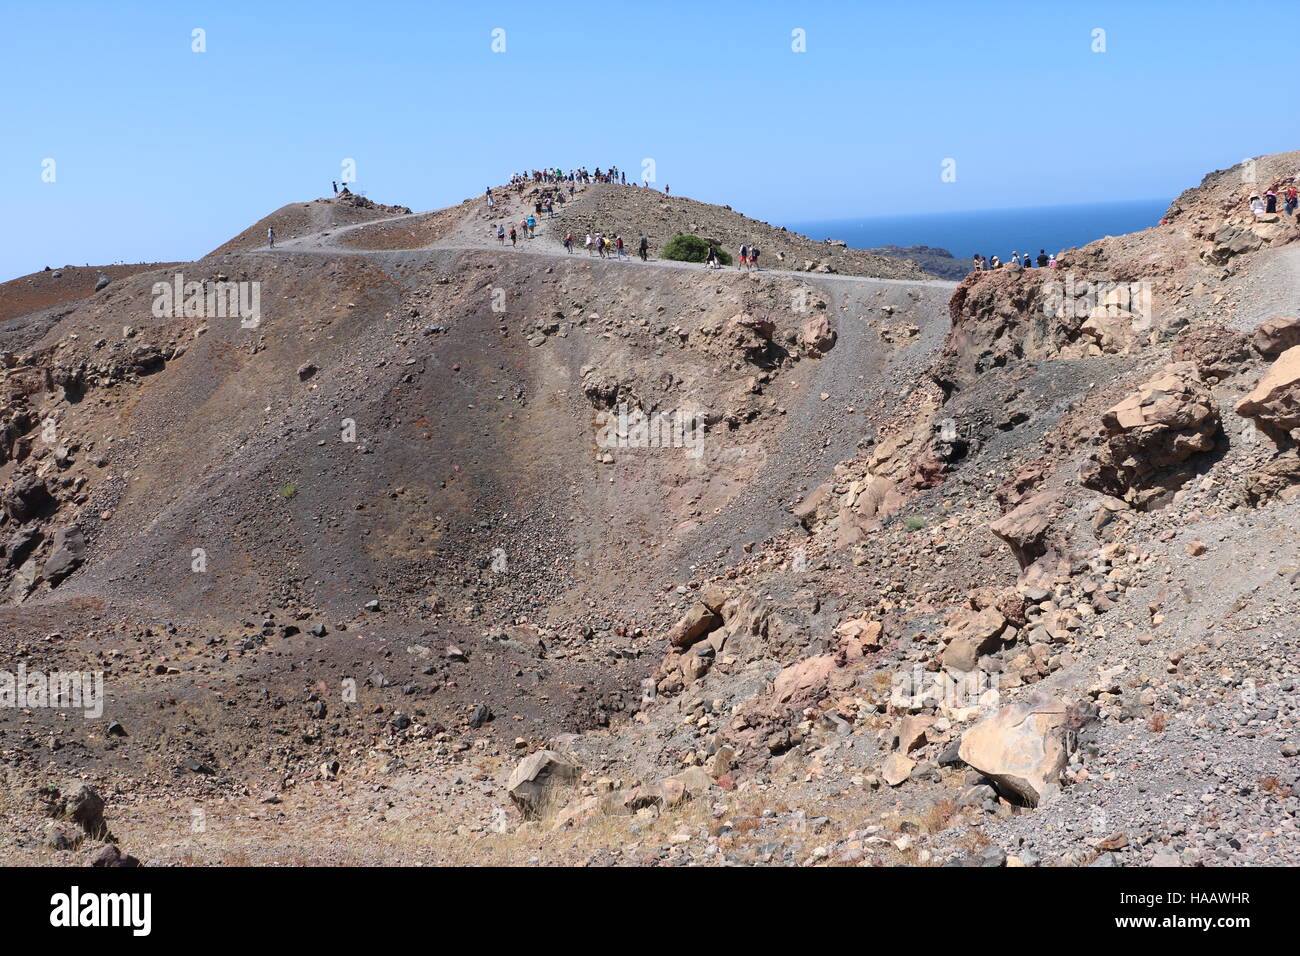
x: 992, y: 232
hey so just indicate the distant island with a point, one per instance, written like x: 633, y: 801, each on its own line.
x: 937, y: 262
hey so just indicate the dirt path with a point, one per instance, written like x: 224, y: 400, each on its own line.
x: 474, y: 232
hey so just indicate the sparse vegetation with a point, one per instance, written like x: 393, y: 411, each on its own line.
x: 687, y: 248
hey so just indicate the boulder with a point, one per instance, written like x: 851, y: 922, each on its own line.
x: 1274, y: 404
x: 1025, y: 528
x: 1213, y: 349
x: 804, y: 680
x: 972, y: 635
x: 1021, y: 748
x: 1276, y: 335
x: 1169, y: 418
x: 1278, y: 478
x: 537, y: 781
x: 25, y: 497
x: 816, y: 335
x: 66, y: 552
x: 698, y: 621
x: 896, y: 769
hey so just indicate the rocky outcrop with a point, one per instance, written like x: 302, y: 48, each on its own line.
x: 1214, y: 350
x: 1151, y: 432
x: 1276, y: 335
x: 1274, y: 404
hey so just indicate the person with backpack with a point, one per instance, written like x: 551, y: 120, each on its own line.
x: 1291, y: 200
x: 513, y: 237
x: 643, y: 248
x: 744, y: 256
x: 587, y: 245
x: 753, y: 257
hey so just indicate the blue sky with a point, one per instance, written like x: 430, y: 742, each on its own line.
x: 163, y: 153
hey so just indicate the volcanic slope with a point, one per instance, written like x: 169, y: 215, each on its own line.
x: 393, y: 475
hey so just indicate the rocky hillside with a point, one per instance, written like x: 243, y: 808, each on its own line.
x: 631, y: 211
x: 611, y: 562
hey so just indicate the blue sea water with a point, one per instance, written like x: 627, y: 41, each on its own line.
x: 992, y: 232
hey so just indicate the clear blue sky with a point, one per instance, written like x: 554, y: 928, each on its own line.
x: 163, y: 153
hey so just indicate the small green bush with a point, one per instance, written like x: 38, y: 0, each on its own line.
x: 287, y: 491
x: 914, y: 523
x: 687, y: 248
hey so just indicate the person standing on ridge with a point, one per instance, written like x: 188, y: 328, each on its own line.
x: 270, y: 237
x: 1042, y: 258
x: 336, y: 186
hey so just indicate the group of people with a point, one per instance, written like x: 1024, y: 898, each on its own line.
x: 1026, y: 261
x: 580, y: 175
x: 608, y: 247
x: 1268, y: 204
x: 527, y: 228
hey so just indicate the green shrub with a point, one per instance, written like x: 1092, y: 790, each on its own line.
x: 688, y: 248
x: 287, y: 491
x: 914, y: 523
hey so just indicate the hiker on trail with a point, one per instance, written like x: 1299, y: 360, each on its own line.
x: 587, y: 245
x: 1292, y: 199
x: 753, y: 257
x: 512, y: 237
x: 270, y: 237
x: 1256, y: 206
x: 668, y: 190
x: 711, y: 262
x: 550, y: 209
x: 643, y: 248
x: 744, y: 256
x: 568, y: 243
x: 618, y: 246
x: 336, y: 187
x: 1270, y: 198
x: 501, y: 235
x: 1042, y: 258
x: 532, y: 227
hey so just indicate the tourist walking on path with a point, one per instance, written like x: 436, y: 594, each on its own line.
x: 568, y: 243
x: 501, y: 235
x: 513, y: 237
x: 1292, y: 199
x: 643, y: 248
x: 1270, y: 200
x: 587, y: 245
x: 270, y: 237
x: 618, y: 245
x: 753, y: 257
